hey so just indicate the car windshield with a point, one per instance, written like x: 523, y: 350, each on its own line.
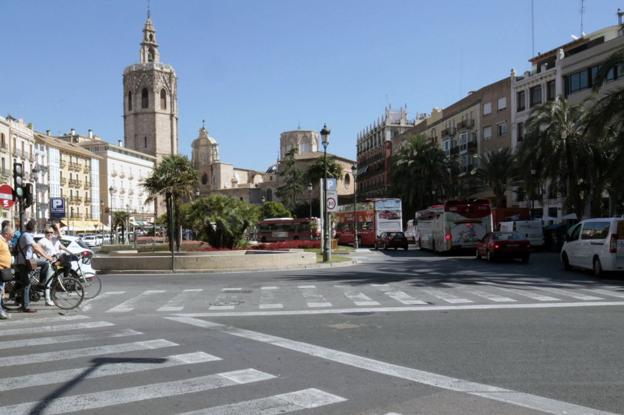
x: 507, y: 236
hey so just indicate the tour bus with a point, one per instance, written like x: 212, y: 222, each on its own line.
x: 453, y: 225
x: 288, y: 229
x: 373, y: 217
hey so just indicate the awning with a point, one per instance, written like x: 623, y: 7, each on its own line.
x: 83, y: 225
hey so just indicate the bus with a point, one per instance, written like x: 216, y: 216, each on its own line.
x: 454, y: 225
x: 288, y: 229
x: 374, y: 216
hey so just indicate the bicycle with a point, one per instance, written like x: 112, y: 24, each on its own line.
x: 90, y: 281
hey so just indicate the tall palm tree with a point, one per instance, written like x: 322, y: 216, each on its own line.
x: 176, y: 179
x: 497, y: 171
x: 420, y: 174
x: 120, y: 219
x: 556, y: 145
x: 316, y: 171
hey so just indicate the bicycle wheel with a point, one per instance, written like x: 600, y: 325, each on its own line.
x: 67, y: 292
x: 92, y: 285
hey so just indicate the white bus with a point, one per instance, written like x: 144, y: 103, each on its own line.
x: 453, y: 225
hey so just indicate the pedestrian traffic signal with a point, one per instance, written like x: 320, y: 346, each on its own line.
x: 18, y: 180
x: 28, y: 195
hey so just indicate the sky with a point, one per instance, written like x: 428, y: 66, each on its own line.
x: 255, y: 68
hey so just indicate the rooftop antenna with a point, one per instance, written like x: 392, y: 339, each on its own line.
x: 298, y: 125
x: 204, y: 124
x: 532, y: 27
x: 582, y: 13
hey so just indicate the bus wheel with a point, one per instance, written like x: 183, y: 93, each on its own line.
x: 263, y: 239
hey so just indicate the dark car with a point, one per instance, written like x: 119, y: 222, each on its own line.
x: 388, y: 240
x: 498, y: 245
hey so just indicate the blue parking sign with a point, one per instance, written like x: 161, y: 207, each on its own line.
x: 57, y: 207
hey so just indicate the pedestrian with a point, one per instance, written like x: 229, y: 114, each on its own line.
x: 50, y: 245
x: 5, y: 262
x: 26, y: 248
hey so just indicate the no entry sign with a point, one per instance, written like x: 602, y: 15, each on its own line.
x: 6, y: 196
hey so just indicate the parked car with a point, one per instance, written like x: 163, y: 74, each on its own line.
x: 595, y: 244
x: 92, y: 240
x: 509, y: 245
x: 77, y: 247
x: 394, y: 240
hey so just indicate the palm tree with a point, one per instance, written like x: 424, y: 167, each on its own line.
x: 497, y: 171
x: 556, y: 146
x: 120, y: 219
x: 175, y: 178
x: 420, y: 174
x: 316, y: 171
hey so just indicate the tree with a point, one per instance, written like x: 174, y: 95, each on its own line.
x: 120, y: 219
x: 496, y: 171
x: 176, y: 179
x: 420, y: 174
x: 316, y: 171
x: 274, y: 210
x: 221, y: 221
x: 292, y: 179
x: 556, y: 146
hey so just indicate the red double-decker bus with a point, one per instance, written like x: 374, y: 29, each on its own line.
x: 288, y: 229
x: 373, y: 217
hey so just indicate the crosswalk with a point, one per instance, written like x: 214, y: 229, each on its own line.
x: 117, y: 369
x: 327, y: 296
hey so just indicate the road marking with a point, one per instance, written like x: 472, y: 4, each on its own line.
x: 466, y: 307
x: 357, y: 297
x: 313, y: 298
x: 129, y: 305
x: 66, y: 354
x: 177, y: 302
x: 400, y: 296
x: 60, y: 327
x: 578, y: 296
x: 87, y: 305
x: 229, y: 290
x: 495, y: 393
x: 115, y: 367
x: 521, y: 293
x: 478, y: 293
x: 606, y: 292
x: 11, y: 323
x: 277, y: 404
x: 104, y: 399
x: 267, y: 299
x: 272, y: 287
x: 221, y: 307
x: 39, y: 341
x: 449, y: 298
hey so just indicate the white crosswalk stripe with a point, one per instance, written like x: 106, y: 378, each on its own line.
x: 177, y: 302
x: 400, y: 296
x: 130, y: 304
x: 104, y: 399
x: 11, y: 323
x: 446, y: 296
x: 357, y: 297
x: 60, y: 327
x: 122, y: 367
x: 277, y: 404
x: 84, y: 352
x: 40, y: 341
x: 312, y: 297
x: 268, y: 299
x: 522, y: 293
x: 495, y: 298
x: 88, y: 304
x: 610, y: 293
x: 572, y: 294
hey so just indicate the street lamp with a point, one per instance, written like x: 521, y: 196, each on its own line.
x: 356, y: 243
x: 110, y: 213
x: 34, y: 175
x: 326, y: 238
x: 101, y: 220
x: 127, y: 226
x: 310, y: 202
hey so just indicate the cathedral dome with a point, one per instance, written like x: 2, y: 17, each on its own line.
x: 204, y: 138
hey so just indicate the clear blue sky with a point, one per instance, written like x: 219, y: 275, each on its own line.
x: 253, y: 69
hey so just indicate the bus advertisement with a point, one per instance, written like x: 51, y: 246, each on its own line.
x: 373, y: 217
x: 453, y: 225
x: 288, y: 229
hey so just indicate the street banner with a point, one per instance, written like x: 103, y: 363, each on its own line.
x: 388, y: 215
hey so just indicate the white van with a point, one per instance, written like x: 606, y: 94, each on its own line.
x: 532, y: 230
x: 593, y: 244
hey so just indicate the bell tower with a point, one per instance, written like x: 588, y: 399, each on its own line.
x: 150, y: 100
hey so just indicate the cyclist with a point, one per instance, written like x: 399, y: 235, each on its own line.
x: 51, y: 246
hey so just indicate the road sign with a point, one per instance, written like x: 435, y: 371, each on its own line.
x: 57, y: 207
x: 331, y: 203
x: 6, y: 196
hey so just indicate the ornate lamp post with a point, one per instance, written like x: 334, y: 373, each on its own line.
x: 356, y: 243
x: 110, y: 213
x: 326, y: 229
x: 310, y: 202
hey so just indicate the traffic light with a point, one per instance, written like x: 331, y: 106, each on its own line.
x: 18, y: 180
x: 28, y: 195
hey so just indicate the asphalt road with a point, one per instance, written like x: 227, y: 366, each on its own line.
x: 401, y: 333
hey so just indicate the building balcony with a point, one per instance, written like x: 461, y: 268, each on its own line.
x: 43, y: 169
x: 87, y: 185
x: 75, y: 199
x: 4, y: 147
x: 63, y: 181
x: 63, y: 164
x: 465, y: 124
x: 448, y: 132
x: 87, y: 199
x: 86, y: 170
x: 43, y: 186
x: 454, y: 151
x: 472, y: 146
x: 75, y: 216
x: 122, y: 175
x: 114, y: 173
x: 75, y: 183
x: 31, y: 157
x: 74, y: 166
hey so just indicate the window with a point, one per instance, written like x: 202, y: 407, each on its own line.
x: 577, y: 81
x: 163, y: 99
x: 150, y: 55
x: 145, y: 142
x: 129, y: 100
x: 3, y: 140
x: 487, y: 108
x: 464, y: 138
x: 144, y: 98
x: 595, y: 230
x: 502, y: 103
x: 487, y: 133
x: 520, y: 127
x: 347, y: 180
x: 448, y: 145
x: 551, y: 90
x: 535, y: 95
x: 204, y: 179
x: 501, y: 128
x: 574, y: 232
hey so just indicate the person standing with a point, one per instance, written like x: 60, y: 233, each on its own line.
x: 5, y: 262
x: 26, y: 248
x: 50, y: 246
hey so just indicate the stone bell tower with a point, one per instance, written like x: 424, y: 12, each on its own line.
x: 150, y: 101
